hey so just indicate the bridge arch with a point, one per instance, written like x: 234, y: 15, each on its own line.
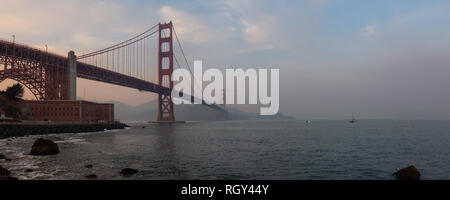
x: 29, y: 85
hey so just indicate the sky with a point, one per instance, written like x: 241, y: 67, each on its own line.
x: 377, y: 59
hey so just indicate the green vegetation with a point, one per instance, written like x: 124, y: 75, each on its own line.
x: 14, y: 92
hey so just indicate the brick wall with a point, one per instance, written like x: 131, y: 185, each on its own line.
x: 70, y: 111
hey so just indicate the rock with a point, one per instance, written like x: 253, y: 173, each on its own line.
x: 88, y: 166
x: 6, y: 174
x: 128, y: 171
x: 409, y: 173
x: 91, y: 176
x: 29, y: 170
x: 3, y: 157
x: 44, y: 147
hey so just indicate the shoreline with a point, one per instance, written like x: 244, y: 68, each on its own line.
x: 9, y: 130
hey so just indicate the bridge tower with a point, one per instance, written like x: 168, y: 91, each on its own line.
x: 165, y: 69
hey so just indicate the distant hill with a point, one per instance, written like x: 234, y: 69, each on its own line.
x: 148, y: 111
x: 236, y: 114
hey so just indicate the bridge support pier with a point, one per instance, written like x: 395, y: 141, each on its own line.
x: 71, y: 82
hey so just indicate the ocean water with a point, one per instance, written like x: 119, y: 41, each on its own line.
x: 323, y: 150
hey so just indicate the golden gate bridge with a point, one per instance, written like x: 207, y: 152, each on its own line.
x: 144, y: 62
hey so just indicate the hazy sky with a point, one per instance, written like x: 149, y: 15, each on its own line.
x: 377, y: 59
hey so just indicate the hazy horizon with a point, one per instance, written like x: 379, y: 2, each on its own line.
x: 377, y: 60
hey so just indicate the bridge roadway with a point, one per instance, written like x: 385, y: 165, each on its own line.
x: 24, y: 57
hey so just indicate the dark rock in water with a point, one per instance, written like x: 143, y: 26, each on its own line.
x: 29, y: 170
x: 88, y: 166
x: 409, y: 173
x: 3, y: 157
x: 44, y: 147
x: 128, y: 171
x: 6, y: 174
x: 91, y: 176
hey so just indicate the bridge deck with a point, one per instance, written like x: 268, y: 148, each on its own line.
x: 24, y: 54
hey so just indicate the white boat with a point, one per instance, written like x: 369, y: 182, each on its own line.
x: 353, y: 120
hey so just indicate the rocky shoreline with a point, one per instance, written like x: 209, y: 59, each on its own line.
x: 46, y: 147
x: 20, y: 130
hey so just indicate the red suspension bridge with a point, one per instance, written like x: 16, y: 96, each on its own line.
x: 144, y: 62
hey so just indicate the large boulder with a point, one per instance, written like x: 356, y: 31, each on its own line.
x: 91, y: 176
x: 5, y: 174
x: 43, y: 147
x: 3, y: 157
x: 409, y: 173
x: 128, y: 171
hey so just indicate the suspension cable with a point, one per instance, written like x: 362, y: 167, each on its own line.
x: 119, y: 45
x: 185, y: 59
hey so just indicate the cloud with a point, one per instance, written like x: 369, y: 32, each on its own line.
x: 260, y: 32
x: 61, y: 23
x: 84, y: 39
x: 192, y: 29
x: 256, y: 25
x: 280, y: 26
x: 369, y: 30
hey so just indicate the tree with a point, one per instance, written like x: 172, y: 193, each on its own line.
x: 15, y: 92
